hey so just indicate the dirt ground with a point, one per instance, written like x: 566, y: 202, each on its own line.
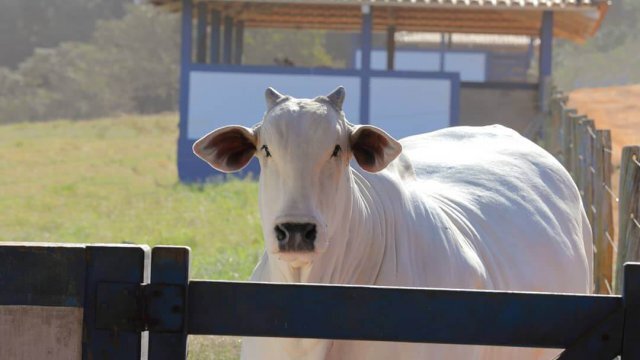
x: 616, y: 108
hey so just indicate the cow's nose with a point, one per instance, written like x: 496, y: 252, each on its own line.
x: 296, y: 236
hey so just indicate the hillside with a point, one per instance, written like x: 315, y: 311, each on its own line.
x: 114, y: 181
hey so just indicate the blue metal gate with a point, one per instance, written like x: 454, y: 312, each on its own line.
x: 126, y: 290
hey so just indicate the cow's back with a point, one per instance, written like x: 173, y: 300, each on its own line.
x: 514, y: 202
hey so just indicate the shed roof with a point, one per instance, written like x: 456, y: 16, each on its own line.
x: 573, y: 19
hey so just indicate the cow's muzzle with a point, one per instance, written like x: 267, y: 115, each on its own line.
x: 296, y: 237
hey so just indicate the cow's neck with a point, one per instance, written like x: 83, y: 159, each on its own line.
x: 354, y: 255
x: 357, y: 242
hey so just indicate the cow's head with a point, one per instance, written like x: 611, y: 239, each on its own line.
x: 304, y: 147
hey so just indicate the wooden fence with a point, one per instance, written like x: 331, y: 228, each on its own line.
x: 586, y: 152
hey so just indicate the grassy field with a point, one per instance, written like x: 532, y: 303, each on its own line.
x: 114, y: 181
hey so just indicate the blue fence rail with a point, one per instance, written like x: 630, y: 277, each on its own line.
x: 125, y: 290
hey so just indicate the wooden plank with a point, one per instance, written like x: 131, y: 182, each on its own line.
x: 112, y: 264
x: 23, y: 281
x: 394, y: 314
x: 629, y: 209
x: 169, y: 266
x: 42, y: 289
x: 40, y: 332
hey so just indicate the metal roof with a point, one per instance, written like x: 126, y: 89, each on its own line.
x: 573, y: 19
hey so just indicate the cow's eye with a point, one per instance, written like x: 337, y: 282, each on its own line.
x: 336, y: 151
x: 265, y: 148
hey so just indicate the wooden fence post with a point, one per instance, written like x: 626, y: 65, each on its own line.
x: 575, y: 147
x: 629, y: 210
x: 553, y: 125
x: 567, y: 136
x: 603, y: 222
x: 586, y: 136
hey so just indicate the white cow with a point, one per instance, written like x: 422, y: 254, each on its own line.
x: 463, y: 207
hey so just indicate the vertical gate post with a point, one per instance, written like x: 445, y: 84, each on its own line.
x: 170, y: 266
x: 106, y: 265
x: 631, y: 300
x: 366, y: 34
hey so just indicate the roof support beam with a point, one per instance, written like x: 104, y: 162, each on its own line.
x: 366, y: 35
x: 216, y: 21
x: 391, y: 47
x: 228, y: 40
x: 545, y: 57
x: 201, y: 34
x: 239, y: 43
x: 443, y: 49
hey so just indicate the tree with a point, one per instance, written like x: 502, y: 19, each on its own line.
x: 130, y: 65
x: 26, y: 25
x: 609, y: 58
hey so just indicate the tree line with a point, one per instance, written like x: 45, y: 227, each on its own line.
x: 80, y: 59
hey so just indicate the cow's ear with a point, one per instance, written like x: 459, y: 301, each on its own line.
x: 373, y: 148
x: 227, y: 149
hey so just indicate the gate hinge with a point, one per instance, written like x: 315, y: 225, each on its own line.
x: 140, y: 307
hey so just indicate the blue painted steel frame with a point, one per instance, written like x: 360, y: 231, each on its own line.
x: 191, y: 169
x: 489, y: 54
x: 185, y: 64
x: 111, y: 264
x: 366, y: 39
x: 37, y: 275
x: 170, y: 266
x: 587, y: 326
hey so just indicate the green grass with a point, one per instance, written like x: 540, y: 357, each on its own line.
x: 114, y: 181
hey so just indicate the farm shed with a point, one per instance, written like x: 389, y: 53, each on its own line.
x: 440, y: 63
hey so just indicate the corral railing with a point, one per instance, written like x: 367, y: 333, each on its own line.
x: 586, y: 153
x: 98, y: 302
